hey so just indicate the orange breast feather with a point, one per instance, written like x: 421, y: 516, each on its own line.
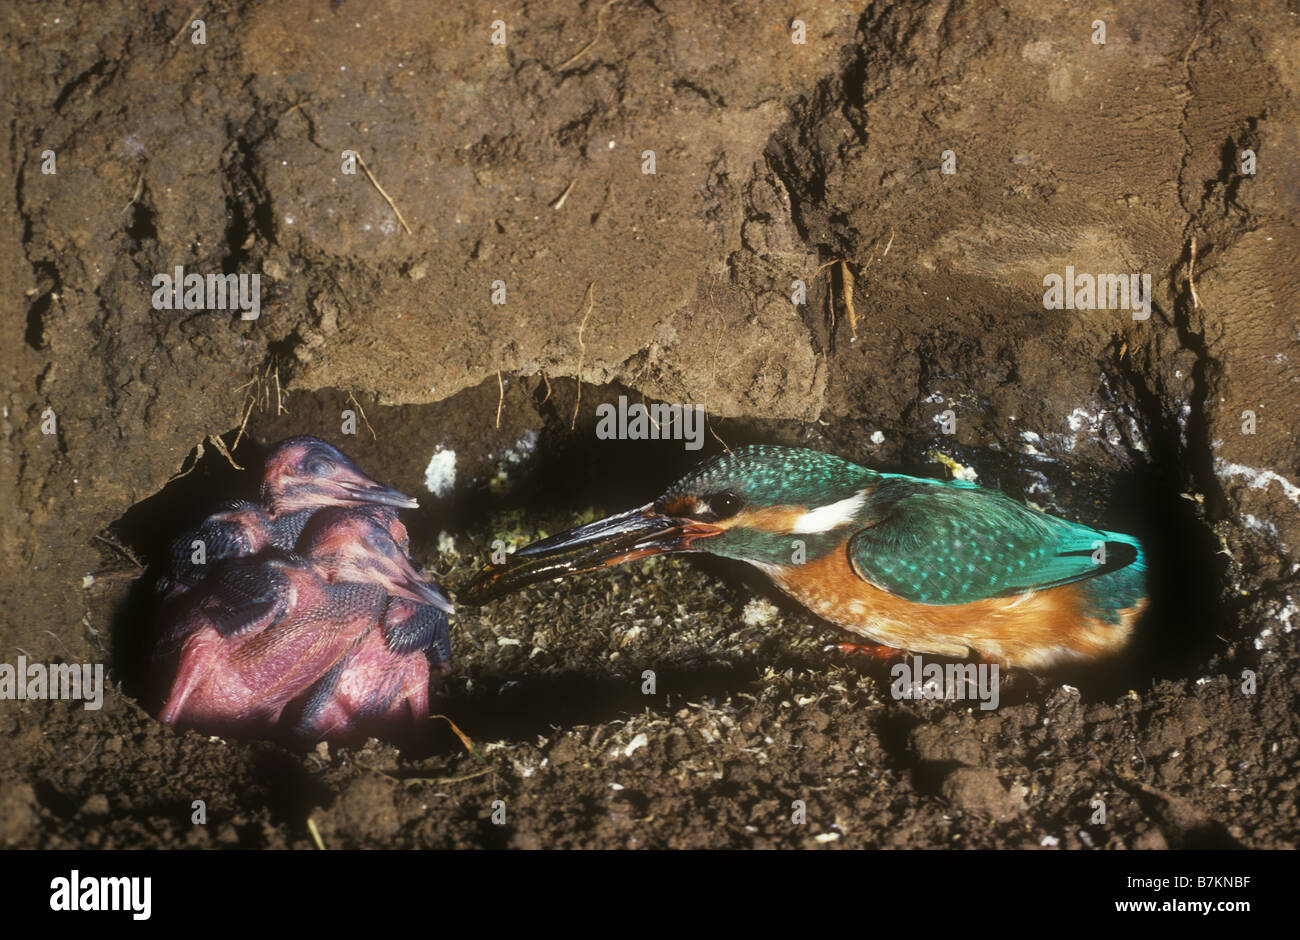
x: 1035, y: 629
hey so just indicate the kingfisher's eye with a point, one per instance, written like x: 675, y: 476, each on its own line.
x: 318, y: 466
x: 724, y: 505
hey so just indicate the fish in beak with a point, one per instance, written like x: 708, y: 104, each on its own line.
x: 637, y: 533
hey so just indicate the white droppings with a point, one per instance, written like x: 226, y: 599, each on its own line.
x: 1080, y: 419
x: 1257, y: 479
x: 636, y: 744
x: 440, y: 475
x: 523, y: 448
x: 877, y: 437
x: 1260, y: 525
x: 1286, y: 615
x: 759, y: 612
x: 1049, y: 842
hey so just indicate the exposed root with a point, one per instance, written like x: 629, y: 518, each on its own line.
x: 582, y: 352
x: 600, y: 27
x: 387, y: 198
x: 315, y: 834
x: 121, y: 550
x: 1191, y: 274
x: 559, y: 203
x: 361, y: 411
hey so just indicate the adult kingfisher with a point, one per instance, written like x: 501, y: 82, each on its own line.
x: 930, y: 566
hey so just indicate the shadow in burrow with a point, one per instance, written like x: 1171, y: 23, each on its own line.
x: 148, y: 527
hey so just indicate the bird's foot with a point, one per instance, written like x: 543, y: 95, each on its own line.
x: 870, y: 650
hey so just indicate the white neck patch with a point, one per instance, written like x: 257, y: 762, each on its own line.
x: 825, y: 518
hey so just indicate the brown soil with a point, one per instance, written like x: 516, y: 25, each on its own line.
x: 772, y: 160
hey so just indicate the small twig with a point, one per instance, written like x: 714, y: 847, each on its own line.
x: 548, y: 387
x: 279, y: 401
x: 715, y: 436
x: 122, y: 549
x: 388, y: 199
x: 353, y: 398
x: 440, y: 780
x: 197, y: 457
x: 117, y: 574
x: 431, y: 780
x: 315, y: 834
x: 59, y: 639
x: 464, y: 739
x: 559, y: 203
x: 189, y: 21
x: 139, y: 191
x: 830, y: 305
x: 1191, y: 275
x: 501, y: 396
x: 582, y: 353
x: 600, y: 26
x: 220, y: 446
x: 239, y: 435
x: 846, y: 284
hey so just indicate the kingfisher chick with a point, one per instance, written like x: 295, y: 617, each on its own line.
x: 946, y: 568
x: 382, y: 683
x: 260, y: 632
x: 300, y: 476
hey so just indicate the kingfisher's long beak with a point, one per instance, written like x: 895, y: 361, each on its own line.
x: 627, y: 536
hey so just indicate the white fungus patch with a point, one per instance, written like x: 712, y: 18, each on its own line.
x: 440, y: 474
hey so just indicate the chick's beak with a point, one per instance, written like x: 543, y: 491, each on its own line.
x: 405, y: 581
x: 368, y: 491
x: 627, y: 536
